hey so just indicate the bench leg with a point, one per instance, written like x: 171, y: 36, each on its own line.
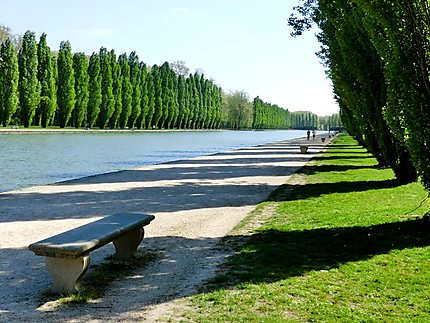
x: 66, y: 273
x: 127, y: 245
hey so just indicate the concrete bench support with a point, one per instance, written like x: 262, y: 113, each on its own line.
x: 126, y: 246
x: 66, y: 273
x: 67, y: 254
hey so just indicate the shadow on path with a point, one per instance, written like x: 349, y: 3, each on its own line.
x: 273, y: 255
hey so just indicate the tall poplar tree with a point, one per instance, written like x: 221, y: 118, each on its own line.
x: 181, y: 102
x: 9, y: 76
x: 135, y: 79
x: 80, y: 66
x: 150, y: 107
x: 173, y: 102
x: 141, y: 123
x: 190, y: 92
x: 107, y: 106
x: 95, y: 90
x: 46, y: 76
x: 165, y: 95
x: 116, y: 90
x: 66, y: 84
x: 127, y: 90
x: 28, y: 86
x: 158, y: 101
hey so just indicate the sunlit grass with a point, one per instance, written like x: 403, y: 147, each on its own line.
x: 348, y: 246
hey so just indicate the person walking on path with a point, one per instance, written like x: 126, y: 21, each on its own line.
x: 313, y: 134
x: 309, y: 134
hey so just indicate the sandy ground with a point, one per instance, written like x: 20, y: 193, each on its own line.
x: 195, y: 202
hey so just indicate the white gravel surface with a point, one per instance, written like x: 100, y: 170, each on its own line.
x: 195, y: 202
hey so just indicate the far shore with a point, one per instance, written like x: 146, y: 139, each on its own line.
x: 20, y: 130
x: 15, y: 130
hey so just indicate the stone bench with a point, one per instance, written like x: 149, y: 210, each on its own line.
x: 304, y: 149
x: 67, y: 254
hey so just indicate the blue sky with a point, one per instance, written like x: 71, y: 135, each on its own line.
x: 241, y: 44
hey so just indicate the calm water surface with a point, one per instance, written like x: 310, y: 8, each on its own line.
x: 33, y: 159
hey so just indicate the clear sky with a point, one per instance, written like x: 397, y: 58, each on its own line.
x: 241, y: 44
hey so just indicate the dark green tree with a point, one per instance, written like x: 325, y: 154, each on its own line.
x: 173, y: 108
x: 141, y: 120
x: 95, y: 90
x: 189, y: 117
x: 158, y: 92
x: 46, y: 76
x: 116, y: 90
x: 150, y: 107
x: 80, y: 67
x: 107, y: 106
x: 182, y: 105
x: 127, y: 91
x: 166, y: 96
x: 66, y: 84
x: 352, y: 54
x: 9, y: 76
x: 28, y: 86
x: 135, y: 80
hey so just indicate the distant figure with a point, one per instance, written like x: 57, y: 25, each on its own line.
x: 309, y: 134
x: 313, y: 134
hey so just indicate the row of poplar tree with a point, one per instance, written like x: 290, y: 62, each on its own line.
x: 240, y: 113
x: 308, y: 120
x: 44, y: 88
x: 38, y: 87
x: 377, y: 54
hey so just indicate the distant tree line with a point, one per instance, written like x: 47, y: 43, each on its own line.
x: 270, y: 116
x: 42, y: 88
x: 308, y: 120
x: 377, y: 54
x: 240, y: 113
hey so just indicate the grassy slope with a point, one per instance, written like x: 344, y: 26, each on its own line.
x: 346, y: 246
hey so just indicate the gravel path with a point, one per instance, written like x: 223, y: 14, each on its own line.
x: 195, y: 201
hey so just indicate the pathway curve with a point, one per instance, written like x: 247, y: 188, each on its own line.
x: 195, y: 201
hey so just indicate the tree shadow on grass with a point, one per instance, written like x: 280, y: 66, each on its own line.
x: 273, y: 255
x: 335, y: 156
x: 289, y: 192
x: 313, y: 169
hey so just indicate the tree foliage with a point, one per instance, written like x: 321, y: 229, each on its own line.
x: 107, y: 106
x: 46, y: 76
x: 116, y: 90
x: 376, y: 54
x: 28, y: 86
x: 66, y: 84
x: 80, y: 66
x: 9, y: 76
x: 95, y: 90
x: 269, y: 116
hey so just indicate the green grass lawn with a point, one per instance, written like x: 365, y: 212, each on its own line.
x: 350, y: 245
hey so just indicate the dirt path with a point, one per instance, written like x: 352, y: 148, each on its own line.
x: 195, y: 201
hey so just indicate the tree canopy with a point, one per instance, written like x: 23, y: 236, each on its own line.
x: 377, y: 55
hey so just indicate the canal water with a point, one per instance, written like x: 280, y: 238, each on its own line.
x: 34, y: 159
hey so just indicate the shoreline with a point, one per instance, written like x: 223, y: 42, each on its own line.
x: 14, y: 131
x: 4, y: 131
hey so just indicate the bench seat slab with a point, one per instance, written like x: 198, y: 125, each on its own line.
x: 84, y: 239
x: 66, y: 273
